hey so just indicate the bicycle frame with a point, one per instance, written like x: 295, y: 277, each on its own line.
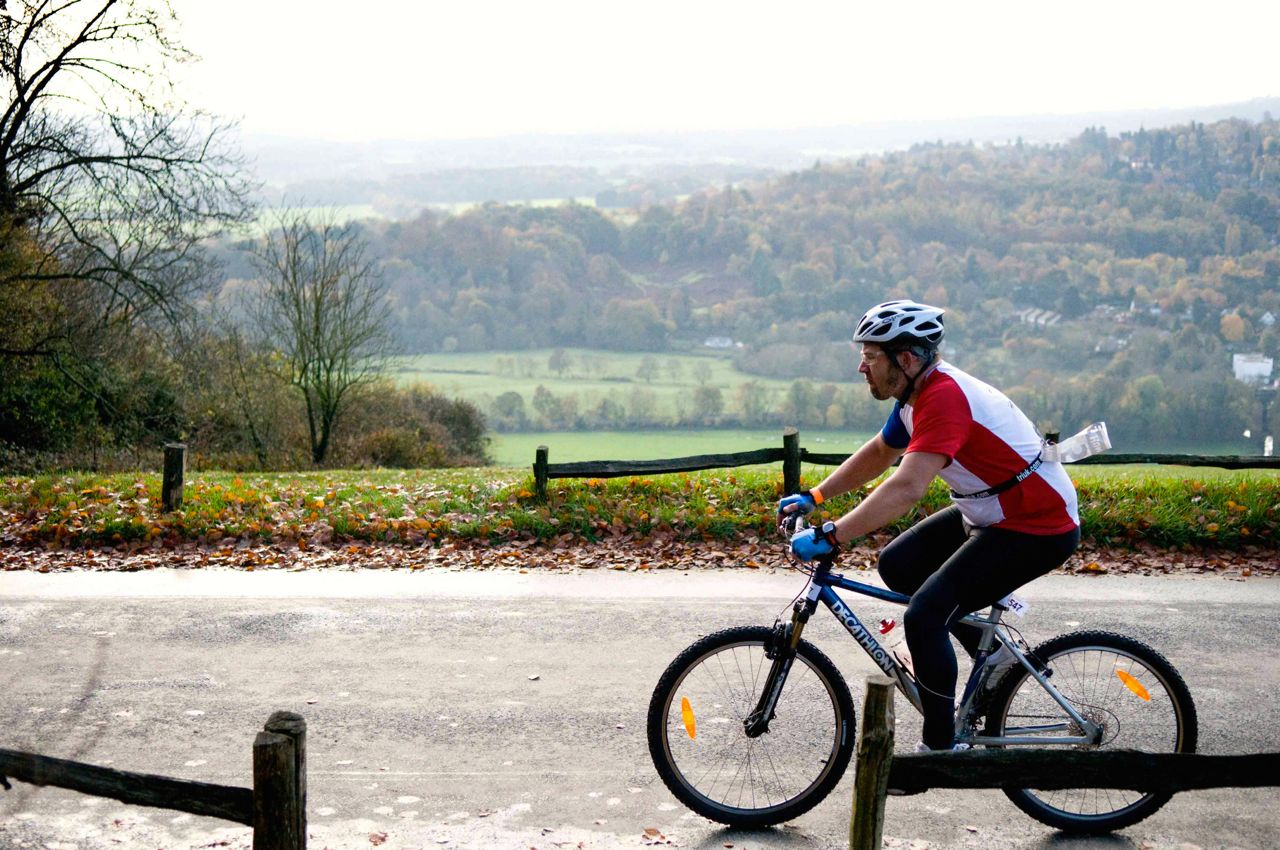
x: 822, y: 588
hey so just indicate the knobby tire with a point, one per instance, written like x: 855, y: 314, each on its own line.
x: 719, y: 772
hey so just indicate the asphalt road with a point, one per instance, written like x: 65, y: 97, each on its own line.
x: 501, y: 710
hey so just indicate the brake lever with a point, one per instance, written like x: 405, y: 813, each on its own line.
x: 791, y: 524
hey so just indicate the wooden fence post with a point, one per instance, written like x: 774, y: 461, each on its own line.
x: 175, y: 465
x: 540, y: 472
x: 790, y: 461
x: 280, y: 784
x: 874, y: 758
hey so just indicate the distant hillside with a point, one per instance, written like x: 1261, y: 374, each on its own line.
x: 1111, y: 274
x: 400, y: 176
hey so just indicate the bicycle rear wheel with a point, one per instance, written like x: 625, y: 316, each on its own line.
x: 1117, y: 682
x: 701, y: 749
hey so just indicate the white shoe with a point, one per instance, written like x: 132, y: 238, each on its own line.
x: 955, y: 748
x: 1001, y: 660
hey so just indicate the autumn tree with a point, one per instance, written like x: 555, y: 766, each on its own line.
x: 323, y: 304
x: 558, y: 362
x: 105, y: 174
x: 508, y: 412
x: 1232, y: 327
x: 648, y: 369
x: 752, y: 400
x: 109, y: 184
x: 708, y: 404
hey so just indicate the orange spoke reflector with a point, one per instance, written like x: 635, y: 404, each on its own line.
x: 686, y: 712
x: 1133, y: 685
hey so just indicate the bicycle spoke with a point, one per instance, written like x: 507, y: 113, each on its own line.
x: 724, y: 764
x: 1116, y: 684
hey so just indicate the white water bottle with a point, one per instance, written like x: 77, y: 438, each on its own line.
x: 1091, y: 441
x: 893, y: 639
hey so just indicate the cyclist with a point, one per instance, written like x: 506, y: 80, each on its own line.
x: 1013, y: 517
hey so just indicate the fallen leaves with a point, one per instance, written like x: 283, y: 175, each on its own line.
x: 1149, y: 560
x: 641, y: 557
x: 481, y: 521
x: 653, y: 837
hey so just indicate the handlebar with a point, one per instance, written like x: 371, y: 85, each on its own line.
x: 795, y: 522
x: 790, y: 524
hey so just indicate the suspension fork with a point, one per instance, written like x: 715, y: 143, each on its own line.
x: 782, y: 649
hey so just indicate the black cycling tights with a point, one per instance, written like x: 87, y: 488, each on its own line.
x: 950, y: 570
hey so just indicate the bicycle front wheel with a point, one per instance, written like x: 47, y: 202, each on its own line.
x: 1119, y: 683
x: 700, y: 747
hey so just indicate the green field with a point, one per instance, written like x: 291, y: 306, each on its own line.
x: 662, y: 384
x: 593, y: 375
x: 517, y: 450
x: 499, y: 371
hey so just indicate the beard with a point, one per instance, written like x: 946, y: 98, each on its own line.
x: 877, y: 393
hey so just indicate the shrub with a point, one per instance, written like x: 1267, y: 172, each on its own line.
x: 408, y: 428
x: 400, y: 447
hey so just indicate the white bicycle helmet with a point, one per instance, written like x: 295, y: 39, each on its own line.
x: 901, y: 321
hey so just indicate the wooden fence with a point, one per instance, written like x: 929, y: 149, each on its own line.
x: 878, y: 772
x: 276, y: 806
x: 792, y: 456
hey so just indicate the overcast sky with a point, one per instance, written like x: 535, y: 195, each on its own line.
x: 471, y: 68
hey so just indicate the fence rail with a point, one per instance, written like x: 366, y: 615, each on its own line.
x: 1219, y: 461
x: 1054, y: 770
x: 275, y: 807
x: 878, y: 772
x: 792, y: 455
x: 138, y: 789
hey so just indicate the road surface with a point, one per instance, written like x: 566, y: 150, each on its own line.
x: 506, y: 710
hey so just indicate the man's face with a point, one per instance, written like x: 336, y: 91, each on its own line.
x: 883, y: 379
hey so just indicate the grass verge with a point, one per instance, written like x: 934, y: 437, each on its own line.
x: 1118, y: 506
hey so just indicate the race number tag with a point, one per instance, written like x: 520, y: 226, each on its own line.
x: 1015, y: 605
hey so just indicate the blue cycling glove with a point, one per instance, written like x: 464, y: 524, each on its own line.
x: 815, y: 543
x: 805, y: 502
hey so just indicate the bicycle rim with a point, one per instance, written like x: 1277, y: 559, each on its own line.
x: 742, y: 780
x: 1130, y: 691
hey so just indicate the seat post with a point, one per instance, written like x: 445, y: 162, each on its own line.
x: 988, y: 641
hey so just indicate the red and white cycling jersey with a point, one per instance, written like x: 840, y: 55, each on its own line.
x: 987, y: 441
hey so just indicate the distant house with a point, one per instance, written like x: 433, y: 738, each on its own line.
x: 718, y: 342
x: 1251, y: 368
x: 1041, y: 318
x: 1267, y: 319
x: 1110, y: 345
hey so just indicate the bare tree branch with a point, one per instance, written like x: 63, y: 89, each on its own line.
x: 116, y: 180
x: 323, y: 305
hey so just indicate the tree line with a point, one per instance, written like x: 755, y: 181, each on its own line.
x: 1181, y: 219
x: 1166, y: 391
x: 1128, y: 241
x: 112, y: 341
x: 747, y: 404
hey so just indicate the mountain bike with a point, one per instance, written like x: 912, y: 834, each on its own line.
x: 753, y: 726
